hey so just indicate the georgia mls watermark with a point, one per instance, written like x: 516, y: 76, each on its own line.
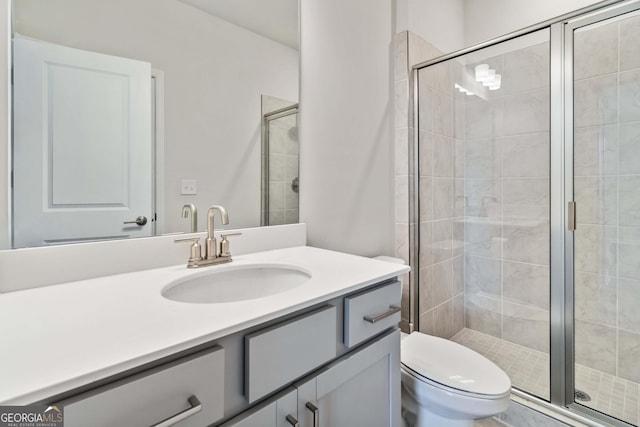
x: 31, y: 416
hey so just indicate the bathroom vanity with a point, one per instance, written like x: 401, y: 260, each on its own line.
x: 116, y: 351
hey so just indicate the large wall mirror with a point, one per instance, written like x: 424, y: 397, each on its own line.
x: 125, y: 111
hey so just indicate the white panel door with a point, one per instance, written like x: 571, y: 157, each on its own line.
x: 82, y: 157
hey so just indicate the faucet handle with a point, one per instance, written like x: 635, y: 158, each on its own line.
x: 195, y: 253
x: 224, y: 243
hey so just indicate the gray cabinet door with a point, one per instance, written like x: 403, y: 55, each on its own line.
x: 280, y: 411
x: 263, y: 416
x: 362, y: 389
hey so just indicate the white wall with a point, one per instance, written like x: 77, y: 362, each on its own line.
x: 440, y: 22
x: 346, y: 117
x: 214, y: 75
x: 488, y: 19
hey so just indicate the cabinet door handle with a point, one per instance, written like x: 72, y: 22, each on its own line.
x: 316, y: 413
x: 196, y: 407
x: 393, y: 309
x: 292, y: 420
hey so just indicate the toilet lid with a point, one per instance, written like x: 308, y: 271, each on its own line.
x: 453, y: 365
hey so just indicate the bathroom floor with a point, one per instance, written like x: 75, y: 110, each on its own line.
x: 529, y: 371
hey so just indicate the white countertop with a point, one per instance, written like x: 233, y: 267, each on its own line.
x: 56, y: 338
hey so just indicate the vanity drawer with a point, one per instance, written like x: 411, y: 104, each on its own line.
x: 279, y: 354
x: 370, y: 312
x: 156, y: 395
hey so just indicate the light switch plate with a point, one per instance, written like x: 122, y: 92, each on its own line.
x: 188, y: 187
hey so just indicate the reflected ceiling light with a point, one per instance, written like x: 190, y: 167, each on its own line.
x: 488, y: 77
x: 482, y: 72
x: 496, y: 82
x: 463, y: 90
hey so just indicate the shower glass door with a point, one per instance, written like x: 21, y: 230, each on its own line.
x: 280, y: 167
x: 606, y: 189
x: 484, y: 210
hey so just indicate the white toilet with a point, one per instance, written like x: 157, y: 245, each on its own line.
x: 445, y: 384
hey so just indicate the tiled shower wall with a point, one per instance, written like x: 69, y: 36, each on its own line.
x: 408, y: 49
x: 441, y: 169
x: 441, y: 302
x: 607, y: 194
x: 401, y: 157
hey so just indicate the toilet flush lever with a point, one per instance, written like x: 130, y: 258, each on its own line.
x: 393, y: 309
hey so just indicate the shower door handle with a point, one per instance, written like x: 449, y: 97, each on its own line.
x: 571, y: 213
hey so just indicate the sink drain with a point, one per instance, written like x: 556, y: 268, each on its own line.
x: 581, y: 396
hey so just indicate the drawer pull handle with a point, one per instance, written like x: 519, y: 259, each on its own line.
x: 316, y: 413
x: 393, y: 309
x: 292, y: 420
x: 196, y: 407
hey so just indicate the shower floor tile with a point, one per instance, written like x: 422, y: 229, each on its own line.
x: 529, y: 371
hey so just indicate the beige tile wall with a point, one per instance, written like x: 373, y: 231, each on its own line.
x: 441, y: 184
x: 441, y: 302
x: 402, y: 133
x: 409, y: 49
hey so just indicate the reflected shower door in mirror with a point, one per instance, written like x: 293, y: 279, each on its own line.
x: 213, y: 64
x: 606, y: 190
x: 280, y: 162
x: 484, y: 204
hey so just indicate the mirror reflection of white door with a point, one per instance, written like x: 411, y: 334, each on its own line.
x: 82, y: 154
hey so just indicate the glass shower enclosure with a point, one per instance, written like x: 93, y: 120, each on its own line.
x: 280, y: 186
x: 527, y: 208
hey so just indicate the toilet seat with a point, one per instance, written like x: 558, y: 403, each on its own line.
x: 452, y: 367
x: 419, y: 378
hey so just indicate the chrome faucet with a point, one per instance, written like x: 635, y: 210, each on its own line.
x: 211, y: 254
x: 191, y: 208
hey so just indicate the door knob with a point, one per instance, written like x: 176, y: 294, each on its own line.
x: 141, y: 220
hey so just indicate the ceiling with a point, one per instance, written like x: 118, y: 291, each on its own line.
x: 274, y: 19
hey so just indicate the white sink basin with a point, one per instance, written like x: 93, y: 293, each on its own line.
x: 236, y: 283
